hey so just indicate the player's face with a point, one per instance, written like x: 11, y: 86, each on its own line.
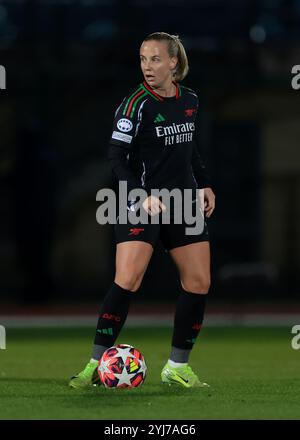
x: 156, y: 63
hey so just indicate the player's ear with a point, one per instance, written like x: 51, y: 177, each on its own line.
x: 174, y: 61
x: 173, y: 64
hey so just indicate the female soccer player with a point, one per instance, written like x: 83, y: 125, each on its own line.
x: 157, y: 119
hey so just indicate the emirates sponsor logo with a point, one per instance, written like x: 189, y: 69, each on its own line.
x: 174, y: 129
x: 176, y: 133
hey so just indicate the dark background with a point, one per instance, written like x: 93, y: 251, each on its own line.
x: 69, y: 64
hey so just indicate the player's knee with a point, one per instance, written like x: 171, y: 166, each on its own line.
x: 129, y: 281
x: 197, y: 284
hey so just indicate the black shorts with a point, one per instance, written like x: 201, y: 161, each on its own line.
x: 171, y: 235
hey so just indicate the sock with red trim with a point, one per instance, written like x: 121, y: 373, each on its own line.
x: 188, y: 321
x: 112, y: 317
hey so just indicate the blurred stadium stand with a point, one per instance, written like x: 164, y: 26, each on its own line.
x: 69, y: 64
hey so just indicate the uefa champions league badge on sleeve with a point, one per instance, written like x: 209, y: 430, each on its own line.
x: 124, y: 125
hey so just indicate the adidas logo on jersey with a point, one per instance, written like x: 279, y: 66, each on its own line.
x: 159, y: 118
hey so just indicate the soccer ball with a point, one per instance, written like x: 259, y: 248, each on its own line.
x: 122, y: 366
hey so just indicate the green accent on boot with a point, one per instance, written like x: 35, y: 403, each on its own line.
x: 183, y: 376
x: 87, y: 377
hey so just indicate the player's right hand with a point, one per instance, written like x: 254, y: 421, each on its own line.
x: 152, y: 205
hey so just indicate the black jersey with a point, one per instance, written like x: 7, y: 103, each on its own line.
x: 157, y: 136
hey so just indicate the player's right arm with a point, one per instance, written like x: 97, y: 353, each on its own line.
x: 127, y: 121
x: 125, y: 129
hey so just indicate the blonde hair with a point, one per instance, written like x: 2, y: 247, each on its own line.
x: 175, y: 49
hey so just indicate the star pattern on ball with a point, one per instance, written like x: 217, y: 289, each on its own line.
x: 103, y: 368
x: 124, y: 377
x: 124, y: 353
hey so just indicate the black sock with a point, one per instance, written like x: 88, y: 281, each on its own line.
x: 112, y: 316
x: 188, y: 320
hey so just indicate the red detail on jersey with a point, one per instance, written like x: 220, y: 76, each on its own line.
x: 132, y: 102
x: 111, y: 317
x: 136, y: 231
x: 190, y: 111
x: 160, y: 98
x: 196, y: 326
x: 177, y: 89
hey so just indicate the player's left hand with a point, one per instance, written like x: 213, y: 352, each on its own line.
x: 209, y: 202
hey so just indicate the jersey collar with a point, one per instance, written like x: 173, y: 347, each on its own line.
x: 157, y: 96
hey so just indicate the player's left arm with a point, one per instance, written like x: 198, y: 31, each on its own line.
x: 209, y: 201
x: 200, y: 171
x: 203, y: 181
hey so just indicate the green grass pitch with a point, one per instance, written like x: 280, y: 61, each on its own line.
x: 253, y: 373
